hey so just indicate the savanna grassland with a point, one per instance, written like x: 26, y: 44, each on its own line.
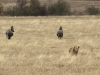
x: 35, y: 49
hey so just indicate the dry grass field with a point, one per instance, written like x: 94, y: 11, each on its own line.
x: 36, y: 50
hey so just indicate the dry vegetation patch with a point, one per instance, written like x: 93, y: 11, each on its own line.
x: 36, y: 50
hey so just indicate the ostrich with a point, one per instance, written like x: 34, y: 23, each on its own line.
x: 60, y: 32
x: 9, y: 32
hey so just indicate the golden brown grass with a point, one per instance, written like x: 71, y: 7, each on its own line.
x: 35, y: 49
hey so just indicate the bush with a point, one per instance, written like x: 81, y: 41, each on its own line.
x: 59, y: 8
x: 92, y: 10
x: 1, y: 9
x: 9, y: 11
x: 43, y: 10
x: 20, y: 5
x: 27, y: 11
x: 35, y: 9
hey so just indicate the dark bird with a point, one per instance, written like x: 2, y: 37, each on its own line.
x: 60, y: 33
x: 9, y: 32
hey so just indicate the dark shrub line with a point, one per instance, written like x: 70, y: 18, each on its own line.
x: 34, y: 8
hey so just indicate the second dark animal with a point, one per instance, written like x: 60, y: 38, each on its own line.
x: 60, y: 33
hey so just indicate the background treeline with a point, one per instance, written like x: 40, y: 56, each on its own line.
x: 34, y: 8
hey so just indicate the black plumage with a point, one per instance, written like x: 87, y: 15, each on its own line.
x: 9, y: 32
x: 60, y: 33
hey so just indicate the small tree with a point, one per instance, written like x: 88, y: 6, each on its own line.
x: 59, y: 8
x: 92, y: 10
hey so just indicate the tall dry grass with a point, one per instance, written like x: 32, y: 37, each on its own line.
x: 35, y: 49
